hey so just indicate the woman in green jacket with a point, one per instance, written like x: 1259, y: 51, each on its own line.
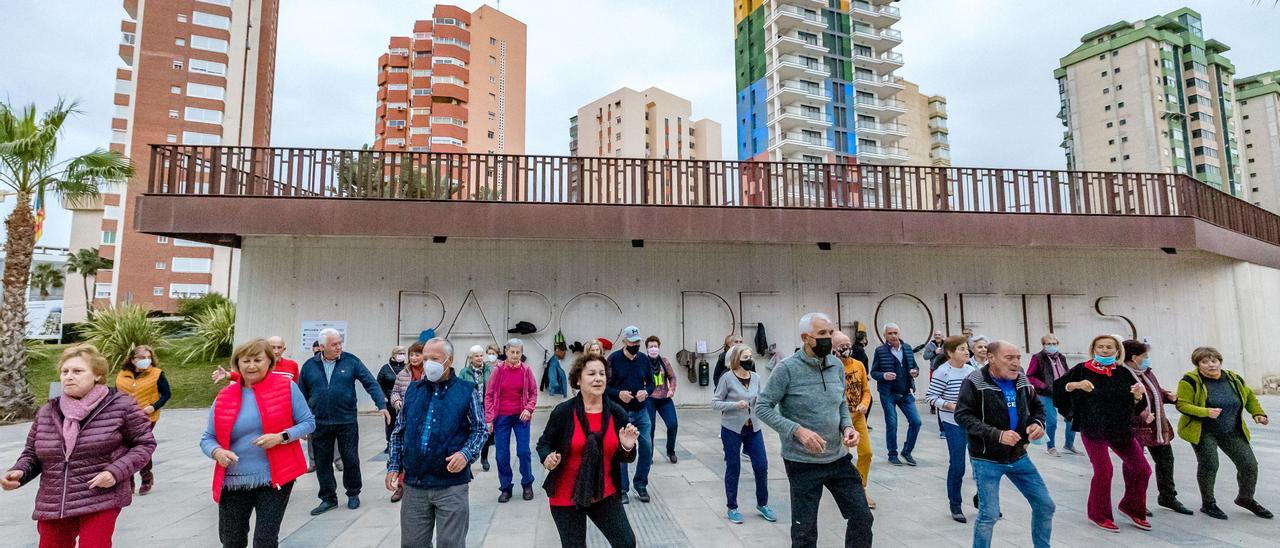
x: 477, y: 370
x: 1211, y: 400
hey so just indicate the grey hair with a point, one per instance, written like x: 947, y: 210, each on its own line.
x: 475, y: 349
x: 981, y: 338
x: 448, y: 346
x: 806, y: 321
x: 994, y: 347
x: 888, y: 326
x: 517, y: 343
x: 329, y: 332
x: 734, y: 354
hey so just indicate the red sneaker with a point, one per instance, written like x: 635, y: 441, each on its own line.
x: 1138, y: 522
x: 1106, y: 525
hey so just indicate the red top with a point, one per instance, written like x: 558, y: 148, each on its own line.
x: 510, y: 389
x: 286, y: 367
x: 564, y: 492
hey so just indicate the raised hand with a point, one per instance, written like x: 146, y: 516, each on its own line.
x: 627, y: 436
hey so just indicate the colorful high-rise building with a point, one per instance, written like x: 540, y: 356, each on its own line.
x: 884, y: 114
x: 794, y: 76
x: 1259, y: 99
x: 196, y: 72
x: 456, y: 85
x: 1151, y: 96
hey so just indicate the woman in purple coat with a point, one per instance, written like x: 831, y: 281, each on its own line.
x: 85, y: 445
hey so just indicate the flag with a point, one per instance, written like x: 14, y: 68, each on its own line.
x: 39, y: 217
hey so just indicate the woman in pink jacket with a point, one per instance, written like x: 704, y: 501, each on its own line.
x: 85, y: 446
x: 509, y: 400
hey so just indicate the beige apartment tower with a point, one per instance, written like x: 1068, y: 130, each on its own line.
x: 925, y: 121
x: 1259, y: 100
x: 643, y: 124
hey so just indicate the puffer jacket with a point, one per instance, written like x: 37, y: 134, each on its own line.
x: 115, y: 436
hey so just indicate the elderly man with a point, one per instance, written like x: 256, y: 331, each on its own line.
x: 804, y: 401
x: 442, y: 421
x: 895, y: 371
x: 999, y: 409
x: 630, y: 383
x: 857, y: 396
x: 328, y: 382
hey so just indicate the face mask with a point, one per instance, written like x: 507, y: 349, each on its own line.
x: 490, y: 358
x: 432, y: 370
x: 653, y: 352
x: 822, y: 347
x: 633, y: 349
x: 401, y: 357
x: 142, y: 364
x: 845, y: 352
x: 745, y: 363
x: 1051, y: 349
x: 1111, y: 360
x: 1145, y: 365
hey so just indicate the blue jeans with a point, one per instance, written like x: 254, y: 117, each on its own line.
x: 1051, y: 424
x: 665, y: 408
x: 1023, y: 474
x: 957, y: 442
x: 907, y: 403
x: 645, y: 459
x: 752, y: 443
x: 502, y: 428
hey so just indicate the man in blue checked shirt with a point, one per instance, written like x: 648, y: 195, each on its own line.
x: 437, y: 436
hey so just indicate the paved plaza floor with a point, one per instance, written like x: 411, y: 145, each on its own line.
x: 688, y: 499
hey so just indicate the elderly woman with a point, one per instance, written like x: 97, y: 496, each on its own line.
x: 85, y: 445
x: 140, y: 376
x: 509, y: 401
x: 1045, y: 368
x: 399, y: 357
x: 585, y: 442
x: 254, y: 424
x: 1102, y: 401
x: 411, y: 372
x: 477, y: 370
x: 857, y: 397
x: 662, y: 403
x: 944, y: 393
x: 1151, y: 426
x: 735, y: 398
x: 1211, y: 400
x: 978, y: 348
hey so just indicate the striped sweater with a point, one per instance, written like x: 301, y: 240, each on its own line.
x: 944, y: 388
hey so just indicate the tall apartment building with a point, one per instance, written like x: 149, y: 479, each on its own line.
x: 643, y: 124
x: 1153, y: 96
x: 794, y: 77
x: 196, y: 72
x: 925, y: 121
x: 456, y: 85
x: 1259, y: 99
x: 883, y: 127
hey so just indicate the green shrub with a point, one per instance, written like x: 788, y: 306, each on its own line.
x: 214, y: 330
x: 116, y: 331
x: 193, y: 308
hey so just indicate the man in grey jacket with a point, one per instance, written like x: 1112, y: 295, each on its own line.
x: 804, y: 402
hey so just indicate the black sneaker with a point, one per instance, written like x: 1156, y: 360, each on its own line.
x: 643, y: 495
x: 353, y: 502
x: 958, y: 516
x: 626, y: 499
x: 1213, y: 511
x: 894, y: 461
x: 528, y: 492
x: 910, y: 461
x: 672, y: 457
x: 1253, y: 506
x: 1175, y: 505
x: 484, y: 464
x: 504, y: 495
x: 324, y: 507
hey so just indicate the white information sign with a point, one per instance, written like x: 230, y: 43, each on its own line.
x: 44, y: 320
x: 311, y: 333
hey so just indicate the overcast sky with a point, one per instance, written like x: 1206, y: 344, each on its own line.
x: 993, y: 59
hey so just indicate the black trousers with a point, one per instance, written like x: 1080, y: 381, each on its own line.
x: 484, y: 449
x: 1237, y: 449
x: 1162, y: 455
x: 238, y: 504
x: 841, y: 478
x: 609, y: 517
x: 391, y: 425
x: 347, y: 438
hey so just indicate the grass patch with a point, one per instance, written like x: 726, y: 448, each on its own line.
x: 188, y: 382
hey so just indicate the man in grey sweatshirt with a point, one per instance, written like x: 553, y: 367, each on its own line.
x: 804, y: 402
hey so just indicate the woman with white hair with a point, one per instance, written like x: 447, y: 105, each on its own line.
x: 978, y: 347
x: 477, y: 370
x: 509, y: 400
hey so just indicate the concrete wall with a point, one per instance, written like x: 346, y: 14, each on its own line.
x: 1180, y: 301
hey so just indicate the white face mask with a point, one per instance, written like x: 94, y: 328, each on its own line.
x: 432, y: 370
x: 490, y: 358
x: 142, y: 364
x: 401, y: 357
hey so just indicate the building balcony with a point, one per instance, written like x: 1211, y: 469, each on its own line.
x: 881, y: 107
x: 791, y: 18
x: 880, y: 16
x: 795, y: 118
x: 879, y: 40
x: 938, y: 125
x: 883, y: 153
x: 883, y: 131
x: 793, y: 66
x: 885, y: 62
x: 126, y: 54
x: 792, y: 43
x: 791, y: 143
x: 789, y: 91
x: 883, y: 86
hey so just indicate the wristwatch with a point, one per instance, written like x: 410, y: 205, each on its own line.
x: 284, y: 436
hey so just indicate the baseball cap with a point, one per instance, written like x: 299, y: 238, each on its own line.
x: 631, y: 333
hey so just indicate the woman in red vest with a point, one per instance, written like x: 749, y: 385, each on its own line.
x: 253, y: 428
x: 140, y: 376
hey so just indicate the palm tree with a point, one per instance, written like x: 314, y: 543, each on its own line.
x: 87, y: 263
x: 46, y: 277
x: 29, y: 168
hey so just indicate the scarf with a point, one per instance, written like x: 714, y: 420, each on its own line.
x: 1104, y: 370
x: 588, y: 487
x: 75, y: 410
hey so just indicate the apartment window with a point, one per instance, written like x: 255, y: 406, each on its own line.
x: 397, y: 87
x: 1124, y: 139
x: 1102, y: 57
x: 161, y: 265
x: 204, y: 115
x: 180, y: 42
x: 492, y: 59
x: 103, y: 291
x: 208, y: 67
x: 446, y: 141
x: 395, y: 123
x: 421, y: 111
x: 1110, y: 124
x: 420, y: 131
x: 177, y: 64
x: 1111, y: 141
x: 1203, y: 117
x: 447, y: 80
x: 1126, y: 156
x: 1104, y: 74
x: 451, y: 21
x: 490, y: 134
x: 421, y: 73
x: 188, y: 291
x: 203, y: 139
x: 188, y: 243
x: 1116, y: 71
x: 448, y: 61
x: 206, y: 43
x: 448, y: 120
x: 1119, y: 87
x: 1203, y: 134
x: 162, y: 240
x: 172, y: 137
x: 108, y: 236
x: 192, y: 265
x: 205, y: 91
x: 1123, y: 121
x: 493, y: 80
x: 422, y: 36
x: 1113, y: 159
x: 1106, y: 91
x: 173, y: 113
x: 182, y: 18
x: 218, y: 2
x: 419, y: 92
x: 397, y: 70
x: 491, y: 115
x: 1207, y: 152
x: 1198, y: 83
x: 1106, y: 108
x: 210, y: 20
x: 453, y: 42
x: 157, y: 292
x: 493, y: 41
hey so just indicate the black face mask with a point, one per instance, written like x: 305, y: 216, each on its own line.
x: 745, y: 363
x: 633, y: 349
x: 845, y: 352
x: 822, y: 346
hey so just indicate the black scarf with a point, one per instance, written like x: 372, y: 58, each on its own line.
x: 588, y: 487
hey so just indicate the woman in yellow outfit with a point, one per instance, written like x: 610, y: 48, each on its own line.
x: 141, y: 378
x: 857, y: 394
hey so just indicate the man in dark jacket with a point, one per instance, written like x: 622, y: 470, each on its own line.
x: 328, y: 380
x: 630, y: 383
x: 894, y: 369
x: 999, y: 409
x: 439, y: 434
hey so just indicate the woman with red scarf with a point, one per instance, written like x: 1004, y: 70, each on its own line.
x: 1101, y: 399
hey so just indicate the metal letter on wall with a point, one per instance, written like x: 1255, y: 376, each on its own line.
x: 543, y: 326
x: 840, y: 321
x: 413, y: 297
x: 1097, y: 306
x: 570, y: 336
x: 683, y: 295
x: 488, y: 332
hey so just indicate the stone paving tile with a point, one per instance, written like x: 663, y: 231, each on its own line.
x: 688, y: 507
